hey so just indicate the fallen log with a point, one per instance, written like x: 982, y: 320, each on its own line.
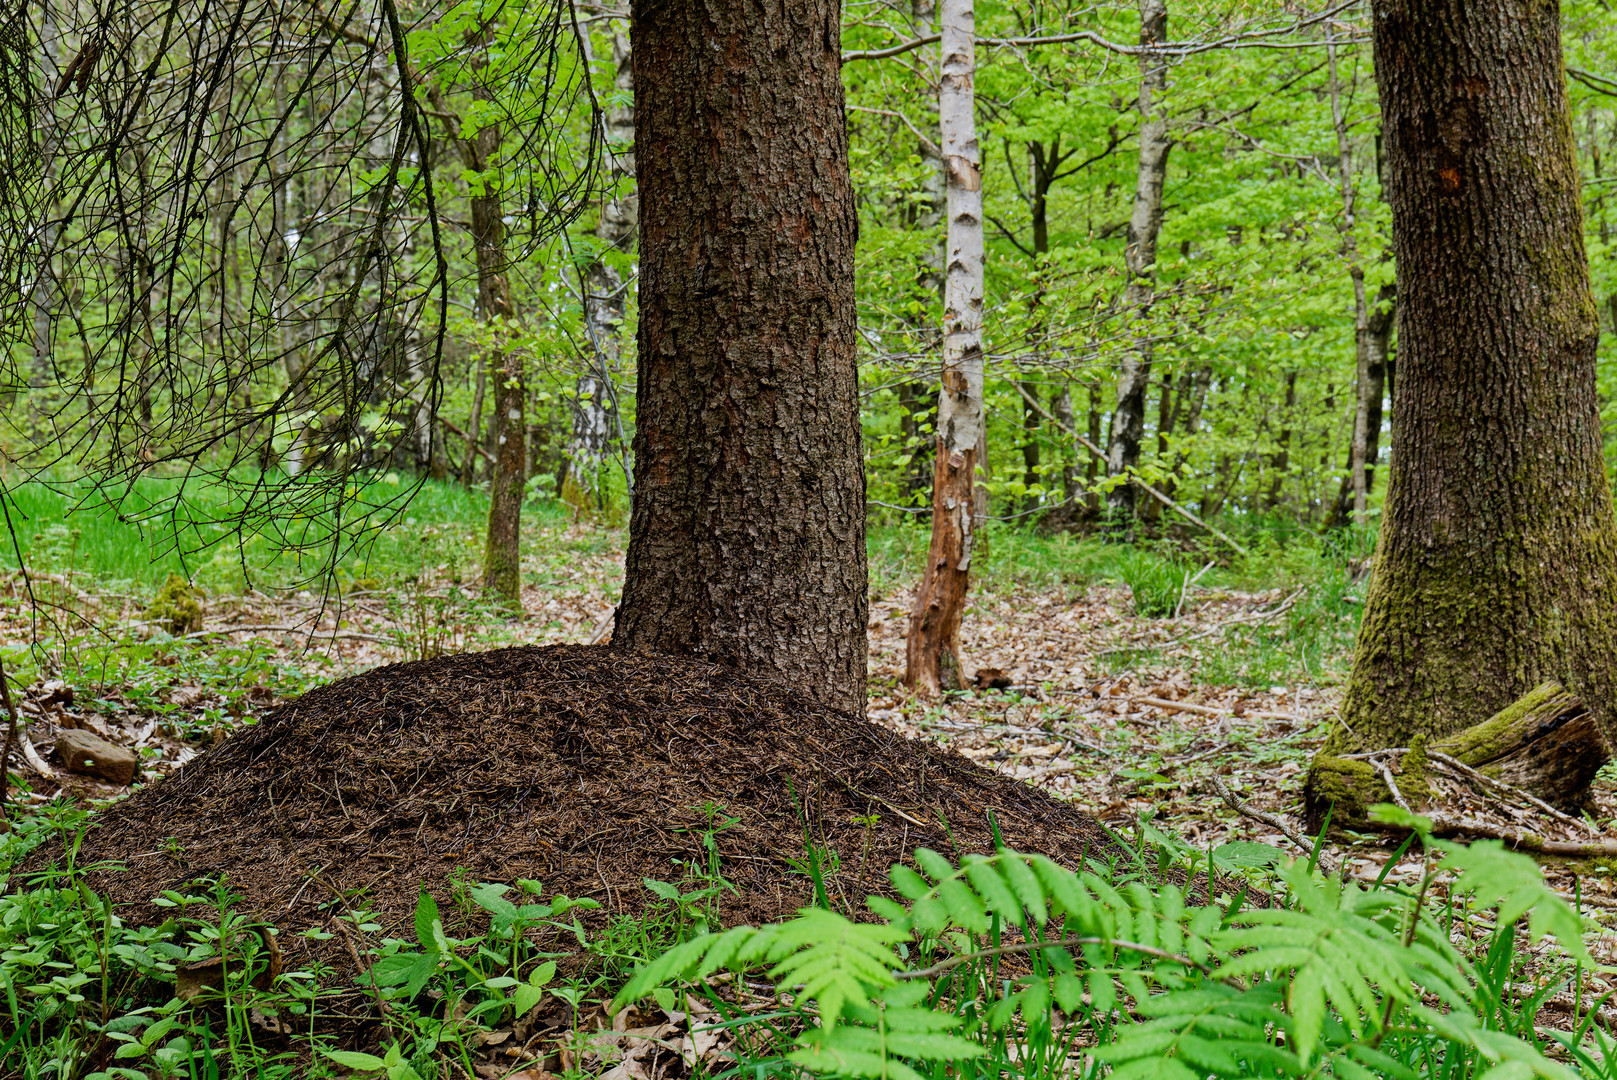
x: 1545, y: 744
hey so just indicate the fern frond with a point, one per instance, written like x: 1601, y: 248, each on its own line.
x: 836, y: 960
x: 1513, y: 883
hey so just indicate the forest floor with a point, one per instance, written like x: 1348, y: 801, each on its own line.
x: 1130, y: 717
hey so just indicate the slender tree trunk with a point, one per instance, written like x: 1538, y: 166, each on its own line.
x: 42, y: 292
x: 474, y: 429
x: 1361, y: 306
x: 502, y: 552
x: 932, y: 658
x: 1092, y: 466
x: 1497, y: 565
x: 595, y: 413
x: 747, y: 537
x: 1145, y: 222
x: 1379, y: 344
x: 915, y: 397
x: 1061, y: 409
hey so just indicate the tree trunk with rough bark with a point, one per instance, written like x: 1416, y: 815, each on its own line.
x: 1497, y: 564
x: 747, y: 538
x: 932, y: 651
x: 1145, y: 222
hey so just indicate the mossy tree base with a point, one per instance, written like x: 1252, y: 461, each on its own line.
x: 1545, y: 743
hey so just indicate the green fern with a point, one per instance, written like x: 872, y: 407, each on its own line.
x: 1333, y: 984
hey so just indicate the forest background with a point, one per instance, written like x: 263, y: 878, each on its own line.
x: 320, y: 328
x: 197, y: 334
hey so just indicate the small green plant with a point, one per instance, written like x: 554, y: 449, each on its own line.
x: 1156, y: 583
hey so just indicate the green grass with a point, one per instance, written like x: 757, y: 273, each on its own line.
x: 68, y: 528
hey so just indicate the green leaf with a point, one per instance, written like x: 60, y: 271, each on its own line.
x: 428, y: 930
x: 1249, y: 854
x: 1307, y: 1001
x: 353, y: 1059
x: 661, y: 889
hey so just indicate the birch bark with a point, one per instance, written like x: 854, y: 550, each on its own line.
x: 932, y: 655
x: 595, y: 413
x: 1140, y: 257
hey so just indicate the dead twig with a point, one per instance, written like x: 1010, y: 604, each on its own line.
x: 1222, y: 790
x: 1510, y: 789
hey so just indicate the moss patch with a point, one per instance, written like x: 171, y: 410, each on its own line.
x: 1344, y: 788
x: 177, y: 607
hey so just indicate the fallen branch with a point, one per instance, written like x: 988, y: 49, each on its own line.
x: 1521, y: 839
x: 1180, y: 706
x: 30, y: 754
x: 347, y: 635
x: 1510, y: 789
x: 1218, y: 787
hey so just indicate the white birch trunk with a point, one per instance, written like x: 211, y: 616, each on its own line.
x: 1140, y: 257
x: 960, y: 405
x: 932, y: 653
x: 595, y: 414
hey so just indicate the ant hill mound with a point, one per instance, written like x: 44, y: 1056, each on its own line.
x: 586, y: 768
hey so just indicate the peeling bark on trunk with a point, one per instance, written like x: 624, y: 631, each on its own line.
x: 1497, y: 565
x: 1145, y: 222
x: 932, y: 653
x: 747, y: 537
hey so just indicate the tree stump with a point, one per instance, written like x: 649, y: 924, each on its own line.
x: 1545, y: 743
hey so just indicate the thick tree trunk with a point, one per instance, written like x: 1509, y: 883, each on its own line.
x: 747, y: 538
x: 1145, y: 222
x: 1497, y: 564
x: 932, y: 651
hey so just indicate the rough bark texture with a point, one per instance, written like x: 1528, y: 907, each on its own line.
x: 932, y: 650
x: 1497, y: 564
x: 1145, y: 222
x: 747, y: 538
